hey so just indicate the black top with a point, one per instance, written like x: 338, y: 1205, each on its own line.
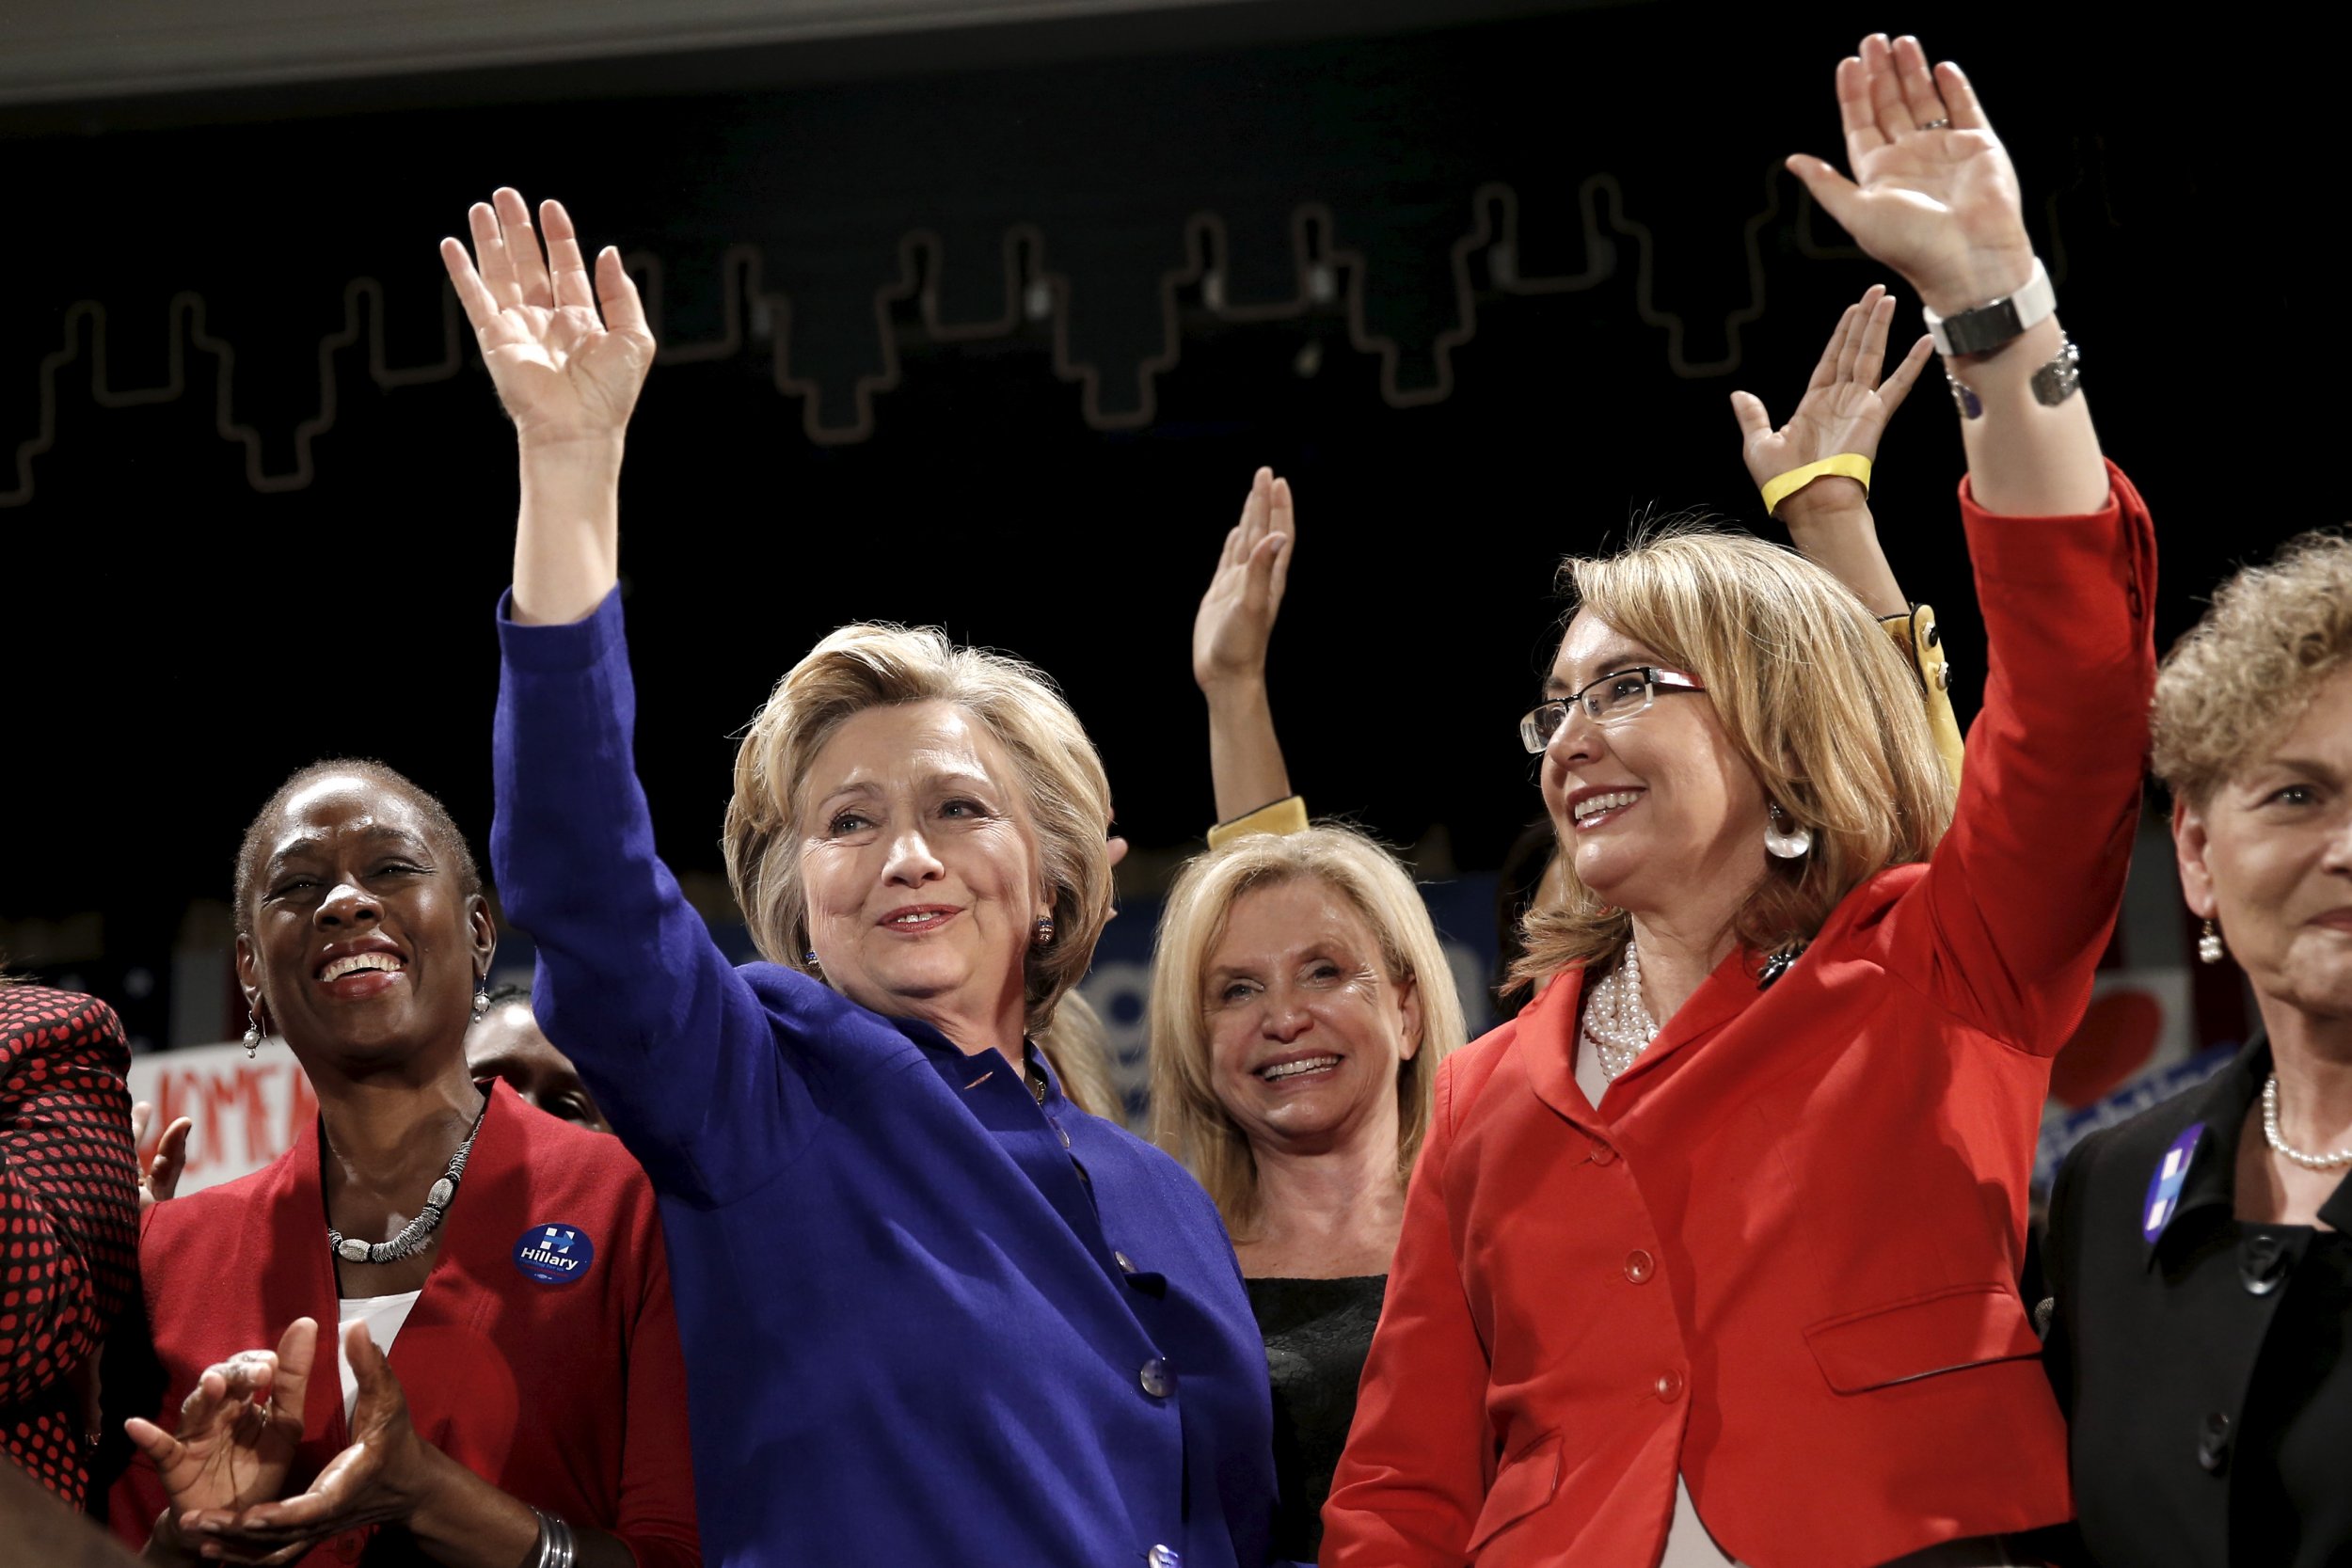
x: 2203, y: 1370
x: 1317, y: 1334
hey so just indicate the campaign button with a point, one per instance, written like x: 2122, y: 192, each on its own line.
x: 554, y: 1254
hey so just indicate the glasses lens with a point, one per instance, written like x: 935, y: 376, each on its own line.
x: 1539, y: 724
x: 1618, y: 696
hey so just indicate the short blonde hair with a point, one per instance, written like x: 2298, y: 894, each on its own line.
x: 2245, y: 673
x: 1079, y: 1045
x: 1813, y: 696
x: 874, y: 665
x: 1187, y: 1119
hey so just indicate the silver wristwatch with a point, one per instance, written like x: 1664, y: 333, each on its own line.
x: 1982, y: 328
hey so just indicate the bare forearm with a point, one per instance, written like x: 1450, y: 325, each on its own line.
x: 567, y: 539
x: 2026, y: 459
x: 465, y: 1522
x: 1245, y: 754
x: 1835, y: 529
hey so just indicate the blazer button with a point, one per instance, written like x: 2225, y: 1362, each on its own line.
x: 2261, y: 1265
x: 1127, y: 1264
x: 1157, y: 1377
x: 1164, y: 1556
x: 1639, y: 1266
x: 1603, y: 1154
x: 2212, y: 1443
x: 1668, y: 1387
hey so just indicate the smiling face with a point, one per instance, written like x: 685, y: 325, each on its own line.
x: 921, y: 871
x: 1655, y: 806
x: 364, y: 946
x: 2269, y: 855
x: 1307, y: 1031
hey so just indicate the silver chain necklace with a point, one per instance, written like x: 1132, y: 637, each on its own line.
x: 2278, y: 1142
x: 1617, y: 1023
x: 416, y: 1233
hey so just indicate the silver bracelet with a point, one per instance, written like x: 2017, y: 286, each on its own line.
x: 555, y: 1542
x: 2053, y: 384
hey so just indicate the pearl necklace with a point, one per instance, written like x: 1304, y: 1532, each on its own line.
x: 413, y: 1235
x: 2271, y: 1135
x: 1616, y: 1021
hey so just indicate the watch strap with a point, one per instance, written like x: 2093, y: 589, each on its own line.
x: 1982, y: 328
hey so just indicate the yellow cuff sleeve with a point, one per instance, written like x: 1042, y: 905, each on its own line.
x: 1851, y: 464
x: 1922, y: 647
x: 1286, y: 816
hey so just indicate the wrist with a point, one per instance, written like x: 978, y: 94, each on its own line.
x: 1237, y: 692
x: 1978, y: 278
x: 598, y: 451
x: 1833, y: 502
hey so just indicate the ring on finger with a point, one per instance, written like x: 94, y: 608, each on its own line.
x: 1937, y: 125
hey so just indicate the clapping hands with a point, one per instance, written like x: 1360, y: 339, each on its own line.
x: 238, y: 1429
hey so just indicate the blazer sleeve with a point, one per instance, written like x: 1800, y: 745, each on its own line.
x: 2006, y: 925
x: 68, y: 1192
x: 657, y: 1505
x: 1419, y: 1458
x: 678, y: 1050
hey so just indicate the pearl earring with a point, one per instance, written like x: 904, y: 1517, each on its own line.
x: 252, y: 1035
x: 1785, y: 837
x: 481, y: 1000
x: 2209, y: 946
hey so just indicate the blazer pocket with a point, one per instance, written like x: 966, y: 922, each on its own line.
x: 1524, y: 1484
x: 1961, y: 1326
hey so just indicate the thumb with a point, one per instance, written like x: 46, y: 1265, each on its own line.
x: 1838, y: 195
x: 151, y: 1440
x: 1754, y: 424
x: 297, y: 1351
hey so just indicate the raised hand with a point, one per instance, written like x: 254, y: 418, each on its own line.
x: 1235, y: 621
x: 1933, y: 194
x: 238, y: 1429
x: 1846, y: 406
x: 564, y: 371
x: 159, y: 1176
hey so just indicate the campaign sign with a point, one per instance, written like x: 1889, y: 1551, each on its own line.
x: 554, y: 1254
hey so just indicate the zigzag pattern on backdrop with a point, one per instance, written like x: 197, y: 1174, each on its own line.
x: 1328, y: 276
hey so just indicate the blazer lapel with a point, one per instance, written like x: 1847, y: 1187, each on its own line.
x: 1547, y: 1047
x: 1722, y: 996
x: 297, y: 1278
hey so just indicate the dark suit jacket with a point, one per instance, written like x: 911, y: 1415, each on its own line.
x: 2185, y: 1362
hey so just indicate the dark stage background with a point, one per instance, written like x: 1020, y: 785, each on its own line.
x: 997, y: 344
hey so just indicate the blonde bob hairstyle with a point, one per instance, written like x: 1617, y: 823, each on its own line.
x: 1814, y: 698
x: 868, y: 666
x: 1187, y: 1119
x: 2244, y: 673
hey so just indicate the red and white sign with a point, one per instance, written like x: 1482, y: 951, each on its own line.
x: 246, y: 1112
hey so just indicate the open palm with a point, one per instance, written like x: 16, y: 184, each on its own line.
x: 567, y: 352
x: 1933, y: 195
x: 1236, y: 622
x: 1846, y: 406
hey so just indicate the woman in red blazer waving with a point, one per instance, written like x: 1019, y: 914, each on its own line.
x: 1711, y: 1254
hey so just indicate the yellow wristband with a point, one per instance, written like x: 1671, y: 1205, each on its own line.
x: 1851, y: 464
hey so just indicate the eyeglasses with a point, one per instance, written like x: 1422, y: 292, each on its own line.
x: 1615, y: 697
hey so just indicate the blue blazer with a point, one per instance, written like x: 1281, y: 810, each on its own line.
x: 912, y: 1334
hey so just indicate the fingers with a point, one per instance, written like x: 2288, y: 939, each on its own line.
x: 1869, y: 348
x: 1886, y: 93
x: 1827, y: 370
x: 1913, y: 81
x: 1284, y: 523
x: 1836, y: 195
x: 1960, y: 99
x: 1258, y: 586
x: 142, y: 1113
x: 1896, y: 386
x: 1855, y: 116
x: 1117, y: 847
x: 171, y: 1157
x: 1754, y: 424
x: 1255, y: 508
x: 573, y: 289
x: 298, y: 1351
x: 522, y: 247
x: 490, y: 258
x: 481, y: 307
x: 151, y: 1440
x: 616, y: 295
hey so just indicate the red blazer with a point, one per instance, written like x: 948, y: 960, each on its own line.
x: 570, y: 1396
x: 68, y: 1218
x: 1783, y: 1258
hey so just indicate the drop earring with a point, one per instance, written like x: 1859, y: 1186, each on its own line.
x: 481, y: 999
x: 252, y: 1035
x: 1785, y: 837
x: 1045, y: 931
x: 2209, y: 946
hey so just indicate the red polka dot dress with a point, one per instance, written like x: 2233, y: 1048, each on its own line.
x: 69, y: 1221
